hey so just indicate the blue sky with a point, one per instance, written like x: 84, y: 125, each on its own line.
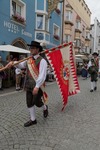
x: 94, y: 6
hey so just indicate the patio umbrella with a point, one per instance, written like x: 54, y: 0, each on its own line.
x: 11, y: 48
x: 82, y: 56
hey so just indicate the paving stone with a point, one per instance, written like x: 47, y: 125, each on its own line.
x: 76, y: 128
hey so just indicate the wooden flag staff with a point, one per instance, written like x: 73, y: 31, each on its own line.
x: 46, y: 51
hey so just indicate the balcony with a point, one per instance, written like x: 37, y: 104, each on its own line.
x: 87, y: 38
x: 18, y: 18
x: 69, y: 22
x: 78, y: 30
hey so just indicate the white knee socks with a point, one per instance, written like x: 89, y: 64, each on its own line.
x: 32, y: 113
x: 44, y: 107
x: 93, y: 85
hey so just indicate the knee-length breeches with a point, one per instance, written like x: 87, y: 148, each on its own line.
x: 32, y: 100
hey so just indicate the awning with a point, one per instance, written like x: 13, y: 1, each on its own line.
x: 79, y: 60
x: 81, y: 56
x: 10, y: 48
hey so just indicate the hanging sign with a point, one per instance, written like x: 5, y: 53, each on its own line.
x: 52, y: 4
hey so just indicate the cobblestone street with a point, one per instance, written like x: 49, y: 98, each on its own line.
x: 76, y: 128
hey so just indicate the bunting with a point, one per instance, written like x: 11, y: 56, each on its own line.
x: 62, y: 62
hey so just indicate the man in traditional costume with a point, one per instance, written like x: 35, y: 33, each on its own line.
x: 36, y: 68
x: 96, y: 59
x: 93, y: 71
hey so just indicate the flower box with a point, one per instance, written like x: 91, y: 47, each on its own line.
x: 57, y: 11
x: 56, y: 37
x: 18, y: 18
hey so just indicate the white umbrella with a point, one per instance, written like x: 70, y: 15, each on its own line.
x: 78, y: 59
x: 81, y: 56
x: 10, y: 48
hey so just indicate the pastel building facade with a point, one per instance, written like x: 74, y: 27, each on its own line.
x: 22, y: 21
x: 95, y: 36
x: 76, y: 25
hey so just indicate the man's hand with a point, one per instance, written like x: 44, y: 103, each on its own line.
x: 35, y: 91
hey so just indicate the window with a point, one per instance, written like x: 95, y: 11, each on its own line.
x: 18, y: 11
x: 56, y: 31
x: 68, y: 15
x: 58, y: 9
x: 87, y: 50
x: 67, y: 38
x: 13, y: 7
x: 39, y: 22
x: 42, y: 22
x: 83, y: 31
x: 78, y: 25
x: 87, y: 35
x: 78, y: 43
x: 46, y: 23
x: 58, y: 6
x: 39, y: 36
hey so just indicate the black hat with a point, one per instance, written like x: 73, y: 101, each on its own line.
x: 36, y: 44
x: 95, y: 53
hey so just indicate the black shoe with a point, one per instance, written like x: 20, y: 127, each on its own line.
x: 1, y: 89
x: 95, y: 88
x: 30, y: 123
x: 91, y: 90
x: 45, y: 112
x: 18, y: 89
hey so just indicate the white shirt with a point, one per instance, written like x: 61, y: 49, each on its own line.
x: 18, y: 71
x: 89, y: 64
x: 42, y: 70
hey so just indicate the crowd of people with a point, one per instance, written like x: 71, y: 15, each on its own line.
x: 33, y: 72
x: 13, y: 74
x: 18, y: 74
x: 90, y: 69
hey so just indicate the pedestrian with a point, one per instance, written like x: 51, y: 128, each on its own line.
x: 84, y: 70
x: 96, y: 59
x: 93, y: 71
x: 36, y: 68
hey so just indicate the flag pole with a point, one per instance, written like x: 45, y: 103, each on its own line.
x: 45, y: 51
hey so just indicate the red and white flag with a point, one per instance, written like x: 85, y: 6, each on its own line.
x: 62, y: 61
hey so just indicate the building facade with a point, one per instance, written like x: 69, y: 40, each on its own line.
x: 77, y: 25
x: 27, y: 20
x: 95, y: 36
